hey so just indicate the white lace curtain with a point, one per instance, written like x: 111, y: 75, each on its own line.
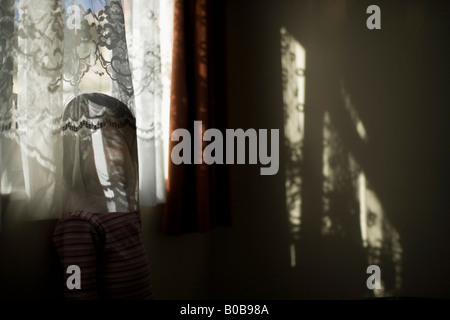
x: 54, y: 50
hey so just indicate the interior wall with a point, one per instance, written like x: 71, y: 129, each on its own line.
x: 29, y: 264
x: 397, y: 80
x: 179, y: 265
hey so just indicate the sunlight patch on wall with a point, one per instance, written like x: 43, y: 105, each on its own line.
x: 340, y: 185
x: 359, y: 126
x: 293, y: 62
x: 380, y: 239
x: 352, y: 209
x: 293, y: 257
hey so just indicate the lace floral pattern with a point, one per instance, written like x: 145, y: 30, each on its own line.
x: 104, y: 121
x: 149, y: 43
x: 96, y: 48
x: 6, y: 64
x: 106, y: 112
x: 54, y: 50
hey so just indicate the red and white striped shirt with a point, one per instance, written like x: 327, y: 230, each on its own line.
x: 108, y: 248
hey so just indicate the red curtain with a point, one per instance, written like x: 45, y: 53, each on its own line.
x: 198, y: 194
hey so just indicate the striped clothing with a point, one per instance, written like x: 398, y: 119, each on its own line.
x: 108, y: 249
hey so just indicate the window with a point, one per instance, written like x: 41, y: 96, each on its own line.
x: 52, y: 51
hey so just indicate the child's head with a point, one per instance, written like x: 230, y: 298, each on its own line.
x: 100, y: 155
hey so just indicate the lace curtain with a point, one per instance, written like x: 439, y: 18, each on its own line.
x: 149, y: 26
x: 54, y: 50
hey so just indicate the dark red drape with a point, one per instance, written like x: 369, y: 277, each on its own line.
x: 198, y: 194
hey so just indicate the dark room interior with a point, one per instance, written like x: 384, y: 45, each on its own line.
x: 371, y: 149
